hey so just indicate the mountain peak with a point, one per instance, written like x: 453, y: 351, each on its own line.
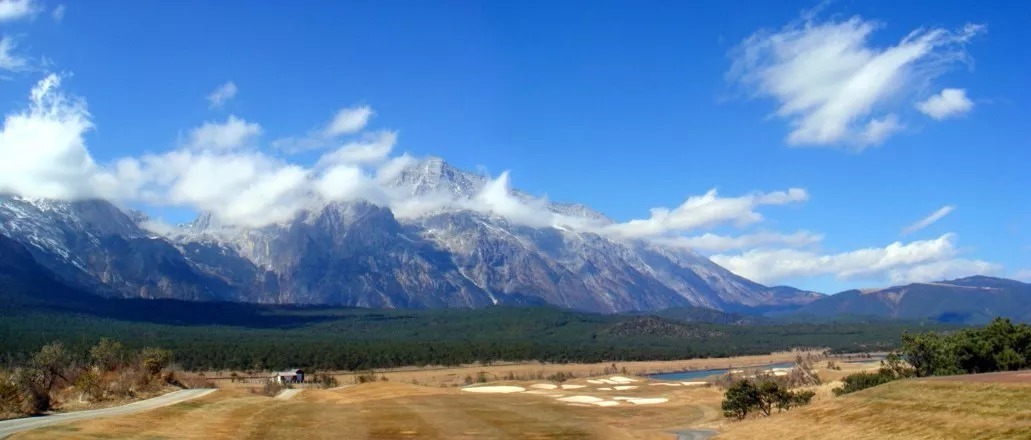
x: 435, y: 175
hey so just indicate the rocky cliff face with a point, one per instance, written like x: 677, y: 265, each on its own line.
x: 360, y: 254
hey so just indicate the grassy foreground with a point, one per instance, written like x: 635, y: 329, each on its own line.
x: 909, y: 409
x: 394, y: 411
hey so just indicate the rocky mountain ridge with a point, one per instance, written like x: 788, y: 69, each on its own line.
x: 360, y: 254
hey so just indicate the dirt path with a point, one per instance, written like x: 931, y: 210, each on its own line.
x: 288, y: 394
x: 8, y: 427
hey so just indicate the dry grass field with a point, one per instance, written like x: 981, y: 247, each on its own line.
x: 387, y: 410
x: 956, y: 408
x: 912, y: 409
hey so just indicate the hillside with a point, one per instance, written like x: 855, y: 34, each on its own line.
x: 972, y: 300
x: 908, y: 409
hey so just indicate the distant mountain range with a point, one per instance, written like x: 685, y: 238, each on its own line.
x: 360, y: 254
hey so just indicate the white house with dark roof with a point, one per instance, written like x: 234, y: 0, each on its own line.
x: 289, y: 376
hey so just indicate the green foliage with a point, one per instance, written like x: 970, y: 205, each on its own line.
x: 999, y: 346
x: 861, y: 381
x: 89, y: 384
x: 359, y: 339
x: 746, y: 397
x: 153, y: 360
x: 107, y: 354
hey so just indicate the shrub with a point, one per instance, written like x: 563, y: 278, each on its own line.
x: 365, y: 376
x: 89, y: 384
x: 106, y: 355
x: 153, y: 360
x: 272, y: 389
x: 746, y: 396
x: 862, y: 381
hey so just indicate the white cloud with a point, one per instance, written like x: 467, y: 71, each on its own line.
x: 705, y: 211
x: 942, y: 271
x: 9, y: 60
x: 348, y: 121
x: 948, y: 103
x: 222, y: 94
x: 234, y: 133
x: 709, y: 242
x: 1023, y: 275
x: 58, y: 13
x: 11, y: 10
x: 917, y: 260
x: 374, y: 148
x: 833, y: 85
x: 929, y: 220
x: 46, y: 156
x: 43, y: 150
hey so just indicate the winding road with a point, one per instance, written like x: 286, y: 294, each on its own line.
x: 8, y: 427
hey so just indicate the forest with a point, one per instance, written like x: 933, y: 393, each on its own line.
x: 244, y: 336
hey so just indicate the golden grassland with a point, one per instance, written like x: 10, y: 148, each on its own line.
x: 912, y: 409
x: 908, y: 409
x: 387, y: 410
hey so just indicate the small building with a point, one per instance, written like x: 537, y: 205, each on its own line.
x: 289, y: 376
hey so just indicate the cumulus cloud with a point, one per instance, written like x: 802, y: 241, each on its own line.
x: 833, y: 85
x: 929, y: 220
x: 222, y: 170
x: 947, y: 104
x: 43, y: 151
x: 231, y: 134
x: 705, y: 211
x: 709, y: 242
x: 222, y: 94
x: 11, y: 10
x: 942, y: 270
x: 374, y: 148
x: 9, y: 60
x: 349, y: 120
x: 916, y: 260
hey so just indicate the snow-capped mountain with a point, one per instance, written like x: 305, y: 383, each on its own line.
x: 361, y: 254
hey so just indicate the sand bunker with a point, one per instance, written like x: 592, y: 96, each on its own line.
x: 667, y: 384
x: 544, y: 386
x: 590, y: 400
x: 642, y: 400
x: 648, y: 401
x: 580, y: 399
x: 545, y: 393
x: 693, y: 384
x: 626, y: 387
x: 502, y: 389
x: 604, y: 389
x: 622, y: 380
x: 572, y: 387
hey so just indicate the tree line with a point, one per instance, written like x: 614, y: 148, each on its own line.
x: 103, y: 371
x: 999, y: 346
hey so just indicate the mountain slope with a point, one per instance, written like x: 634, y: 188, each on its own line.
x: 972, y: 300
x: 361, y: 254
x: 95, y: 246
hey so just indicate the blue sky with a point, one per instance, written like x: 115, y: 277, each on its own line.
x: 622, y: 106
